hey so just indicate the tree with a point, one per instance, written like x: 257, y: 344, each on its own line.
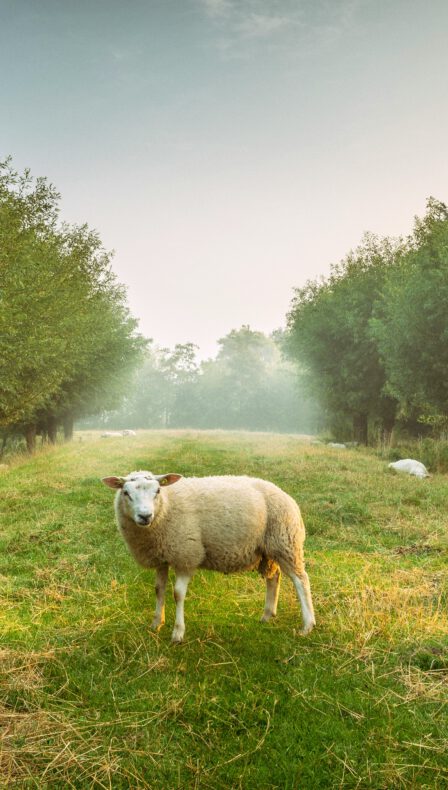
x: 103, y: 344
x: 159, y: 395
x: 410, y: 321
x: 239, y: 390
x: 29, y: 275
x: 66, y: 335
x: 181, y: 372
x: 329, y: 332
x: 249, y: 385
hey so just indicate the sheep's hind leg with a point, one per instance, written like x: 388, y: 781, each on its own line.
x: 161, y: 580
x: 303, y: 589
x: 272, y: 592
x: 180, y: 591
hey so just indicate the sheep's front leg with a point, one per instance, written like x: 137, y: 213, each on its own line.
x: 180, y: 591
x: 272, y: 591
x: 161, y: 580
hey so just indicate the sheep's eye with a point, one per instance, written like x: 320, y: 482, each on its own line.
x: 126, y: 493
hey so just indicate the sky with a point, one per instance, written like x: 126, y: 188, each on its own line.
x: 227, y: 150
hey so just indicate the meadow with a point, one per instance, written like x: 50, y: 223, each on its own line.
x: 91, y: 698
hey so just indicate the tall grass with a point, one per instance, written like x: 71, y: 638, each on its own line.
x: 90, y: 697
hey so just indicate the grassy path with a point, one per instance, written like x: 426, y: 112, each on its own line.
x: 89, y: 697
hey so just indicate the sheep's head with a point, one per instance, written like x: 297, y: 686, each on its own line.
x: 138, y: 494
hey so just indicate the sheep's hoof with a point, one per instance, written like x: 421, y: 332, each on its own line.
x: 177, y: 636
x: 266, y: 616
x: 307, y: 629
x: 156, y: 625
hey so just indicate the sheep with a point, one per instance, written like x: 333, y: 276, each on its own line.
x: 337, y: 445
x: 115, y: 434
x: 410, y: 467
x: 226, y: 523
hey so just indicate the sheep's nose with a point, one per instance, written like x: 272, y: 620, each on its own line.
x: 144, y: 518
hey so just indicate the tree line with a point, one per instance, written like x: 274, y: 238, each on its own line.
x: 66, y: 333
x: 364, y: 349
x: 373, y: 336
x: 248, y: 385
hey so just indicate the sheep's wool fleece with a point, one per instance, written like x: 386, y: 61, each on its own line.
x: 410, y: 467
x: 224, y: 523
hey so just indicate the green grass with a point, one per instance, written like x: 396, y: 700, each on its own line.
x: 89, y: 697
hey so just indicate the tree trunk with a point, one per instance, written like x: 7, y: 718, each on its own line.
x: 30, y: 437
x: 360, y: 428
x: 386, y: 436
x: 386, y: 432
x: 389, y: 408
x: 52, y: 429
x: 4, y: 442
x: 68, y: 422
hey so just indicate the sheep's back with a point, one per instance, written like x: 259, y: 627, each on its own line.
x: 229, y: 517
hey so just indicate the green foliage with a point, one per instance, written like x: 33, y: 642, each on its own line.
x: 248, y: 385
x: 90, y: 697
x: 411, y: 321
x: 66, y: 335
x: 31, y: 321
x: 374, y: 335
x: 329, y: 331
x: 161, y: 391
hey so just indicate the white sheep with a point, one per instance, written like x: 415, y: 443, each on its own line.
x: 219, y: 523
x: 115, y: 434
x: 410, y: 467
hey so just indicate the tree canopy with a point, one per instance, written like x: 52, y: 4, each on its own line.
x: 66, y: 334
x: 370, y: 340
x: 373, y: 335
x: 410, y: 323
x: 248, y: 385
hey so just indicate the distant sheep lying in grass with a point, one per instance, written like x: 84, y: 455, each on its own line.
x: 112, y: 434
x: 410, y: 467
x: 220, y: 523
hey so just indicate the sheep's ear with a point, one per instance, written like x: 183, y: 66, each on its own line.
x: 167, y: 480
x: 113, y: 482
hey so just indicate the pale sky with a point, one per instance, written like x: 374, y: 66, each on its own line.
x: 228, y: 150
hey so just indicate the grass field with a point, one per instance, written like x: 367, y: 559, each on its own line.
x: 89, y: 697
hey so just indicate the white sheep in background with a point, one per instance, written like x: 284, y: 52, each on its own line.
x: 218, y: 523
x: 410, y: 467
x: 115, y: 434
